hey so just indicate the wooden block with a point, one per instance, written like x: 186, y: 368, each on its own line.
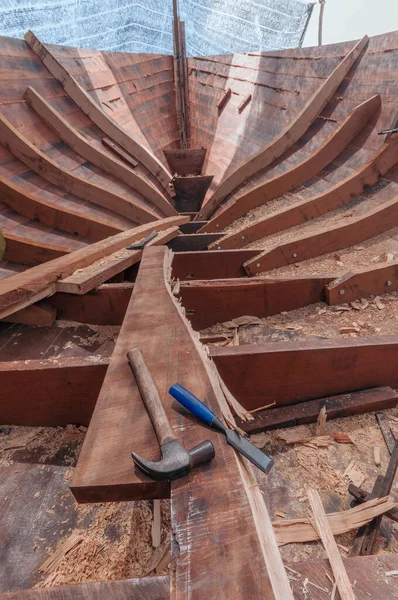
x: 244, y: 103
x: 190, y: 191
x: 120, y: 152
x: 224, y: 99
x: 214, y: 264
x: 187, y: 161
x: 41, y: 314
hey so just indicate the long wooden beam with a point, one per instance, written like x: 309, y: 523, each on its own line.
x: 333, y: 237
x: 297, y: 175
x: 285, y: 140
x: 32, y: 285
x: 95, y: 113
x: 32, y: 206
x: 211, y: 264
x: 227, y: 557
x: 50, y: 392
x: 30, y: 252
x: 210, y: 302
x: 338, y: 195
x: 290, y: 372
x: 39, y: 162
x: 94, y: 154
x: 378, y: 279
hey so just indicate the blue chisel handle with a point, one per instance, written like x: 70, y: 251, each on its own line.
x: 192, y: 403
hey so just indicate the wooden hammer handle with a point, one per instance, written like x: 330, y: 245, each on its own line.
x: 150, y: 396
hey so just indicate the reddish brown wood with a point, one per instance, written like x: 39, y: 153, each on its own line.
x: 378, y: 279
x: 50, y: 392
x: 211, y: 302
x: 212, y: 264
x: 224, y: 99
x: 353, y: 230
x: 30, y: 252
x: 244, y: 103
x: 190, y: 191
x: 41, y: 314
x: 120, y: 152
x: 186, y: 161
x: 291, y: 372
x: 343, y: 405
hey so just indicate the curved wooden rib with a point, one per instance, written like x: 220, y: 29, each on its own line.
x: 95, y: 113
x: 37, y: 209
x: 289, y: 135
x: 354, y: 230
x: 25, y: 288
x: 18, y: 145
x: 30, y: 252
x: 93, y: 154
x: 295, y: 176
x: 377, y: 279
x: 338, y: 195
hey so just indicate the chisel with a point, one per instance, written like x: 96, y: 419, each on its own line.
x: 241, y: 444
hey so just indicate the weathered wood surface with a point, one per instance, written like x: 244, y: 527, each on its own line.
x: 116, y: 149
x: 108, y: 125
x: 297, y: 175
x: 193, y: 242
x: 147, y: 588
x: 190, y: 191
x: 211, y: 302
x: 186, y: 161
x: 380, y: 278
x: 30, y: 252
x: 353, y: 230
x: 50, y: 392
x: 307, y: 370
x: 26, y: 287
x: 41, y: 314
x: 95, y: 155
x: 343, y: 405
x: 39, y: 162
x: 211, y: 264
x: 295, y: 129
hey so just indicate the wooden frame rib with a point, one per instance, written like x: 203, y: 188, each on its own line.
x: 36, y: 160
x: 95, y: 155
x: 95, y: 113
x: 211, y: 264
x: 30, y: 252
x: 23, y: 289
x: 297, y: 175
x: 354, y: 230
x: 288, y: 136
x: 338, y: 195
x: 32, y: 206
x: 378, y: 279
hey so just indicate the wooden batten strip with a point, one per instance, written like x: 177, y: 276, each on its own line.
x: 92, y: 153
x: 335, y: 237
x: 87, y: 279
x: 32, y: 206
x: 23, y: 289
x: 285, y: 140
x: 30, y: 252
x: 95, y: 113
x: 381, y: 278
x: 299, y: 174
x: 120, y: 152
x: 39, y: 162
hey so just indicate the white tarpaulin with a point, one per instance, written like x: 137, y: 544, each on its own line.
x: 212, y: 26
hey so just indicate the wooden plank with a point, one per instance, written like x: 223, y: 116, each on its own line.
x: 39, y: 162
x: 191, y: 227
x: 211, y: 302
x: 310, y: 369
x: 343, y: 405
x: 336, y: 562
x: 50, y: 392
x: 229, y: 562
x: 120, y: 152
x: 105, y: 305
x: 32, y: 206
x: 185, y: 161
x: 84, y: 101
x: 333, y: 237
x: 147, y: 588
x: 297, y: 175
x: 285, y: 140
x: 190, y: 191
x: 92, y: 276
x: 30, y: 252
x: 41, y: 314
x: 380, y: 278
x: 338, y: 195
x: 212, y: 264
x: 224, y: 99
x: 39, y: 282
x: 193, y: 242
x: 94, y: 154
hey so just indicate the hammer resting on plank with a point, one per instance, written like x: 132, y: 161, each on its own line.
x: 176, y: 461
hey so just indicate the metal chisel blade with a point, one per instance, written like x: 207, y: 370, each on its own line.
x: 251, y: 452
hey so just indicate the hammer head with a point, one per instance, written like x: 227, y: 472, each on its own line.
x: 176, y: 461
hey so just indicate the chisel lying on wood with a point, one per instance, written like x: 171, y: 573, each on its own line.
x: 241, y: 444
